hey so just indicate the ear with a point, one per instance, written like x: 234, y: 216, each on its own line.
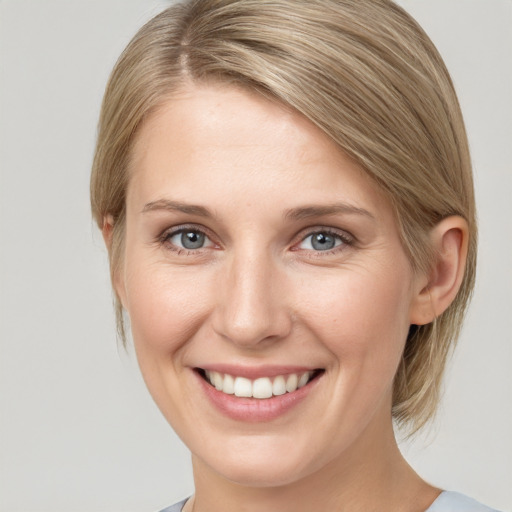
x: 449, y: 241
x: 107, y: 230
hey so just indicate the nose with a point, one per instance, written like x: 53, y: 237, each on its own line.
x: 251, y: 308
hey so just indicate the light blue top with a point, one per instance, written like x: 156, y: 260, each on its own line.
x: 447, y: 501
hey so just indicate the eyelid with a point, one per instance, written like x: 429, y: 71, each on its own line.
x: 347, y: 238
x: 166, y: 234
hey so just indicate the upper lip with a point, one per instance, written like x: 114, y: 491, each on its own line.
x: 255, y: 372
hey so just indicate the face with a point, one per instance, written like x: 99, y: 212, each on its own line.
x: 268, y: 292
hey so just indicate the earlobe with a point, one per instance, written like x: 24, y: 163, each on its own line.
x: 449, y: 240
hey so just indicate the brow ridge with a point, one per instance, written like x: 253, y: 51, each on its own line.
x: 305, y: 212
x: 299, y: 213
x: 173, y: 206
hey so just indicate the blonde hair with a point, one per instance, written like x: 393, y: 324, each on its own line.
x: 361, y: 70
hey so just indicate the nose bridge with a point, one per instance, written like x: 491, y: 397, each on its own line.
x: 250, y: 307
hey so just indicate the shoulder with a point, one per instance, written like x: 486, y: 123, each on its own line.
x: 449, y: 501
x: 177, y: 507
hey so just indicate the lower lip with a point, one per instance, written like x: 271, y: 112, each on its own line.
x: 255, y: 409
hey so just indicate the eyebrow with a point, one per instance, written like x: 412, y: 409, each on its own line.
x: 176, y: 206
x: 307, y: 212
x: 300, y: 213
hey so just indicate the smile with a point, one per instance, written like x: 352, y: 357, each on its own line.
x: 260, y: 388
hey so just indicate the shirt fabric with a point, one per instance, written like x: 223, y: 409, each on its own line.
x: 447, y: 501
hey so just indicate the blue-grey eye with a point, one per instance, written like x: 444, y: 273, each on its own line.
x: 321, y: 241
x: 190, y: 239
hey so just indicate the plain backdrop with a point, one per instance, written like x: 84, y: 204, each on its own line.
x: 78, y: 429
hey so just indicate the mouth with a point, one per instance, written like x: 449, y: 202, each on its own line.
x: 261, y: 388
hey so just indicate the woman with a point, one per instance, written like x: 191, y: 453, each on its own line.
x: 285, y: 191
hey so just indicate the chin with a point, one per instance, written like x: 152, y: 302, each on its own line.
x: 271, y: 463
x: 260, y: 474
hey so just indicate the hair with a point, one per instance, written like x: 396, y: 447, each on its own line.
x: 365, y: 73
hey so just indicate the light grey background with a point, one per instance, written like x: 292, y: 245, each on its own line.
x: 78, y: 430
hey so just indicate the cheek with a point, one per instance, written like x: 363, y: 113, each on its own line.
x: 165, y: 307
x: 363, y: 317
x: 363, y: 322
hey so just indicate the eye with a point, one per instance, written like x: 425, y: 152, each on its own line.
x: 189, y: 239
x: 322, y: 241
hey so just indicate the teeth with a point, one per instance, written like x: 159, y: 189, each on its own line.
x: 279, y: 386
x: 264, y: 387
x: 304, y: 378
x: 291, y: 382
x: 217, y: 381
x: 243, y: 387
x: 228, y: 385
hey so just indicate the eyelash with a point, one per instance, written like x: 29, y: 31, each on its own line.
x: 346, y: 240
x: 165, y: 239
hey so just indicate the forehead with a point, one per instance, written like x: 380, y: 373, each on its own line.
x: 231, y: 137
x: 200, y: 116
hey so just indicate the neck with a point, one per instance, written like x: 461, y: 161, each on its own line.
x: 372, y: 475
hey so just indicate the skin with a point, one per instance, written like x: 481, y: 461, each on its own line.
x: 258, y: 293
